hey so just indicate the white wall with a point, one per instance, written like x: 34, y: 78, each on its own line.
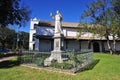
x: 32, y: 32
x: 87, y: 35
x: 41, y: 30
x: 72, y: 44
x: 71, y: 32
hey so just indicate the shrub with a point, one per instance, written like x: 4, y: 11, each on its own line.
x: 76, y: 58
x: 26, y: 58
x: 79, y: 58
x: 91, y: 65
x: 40, y: 61
x: 72, y: 56
x: 63, y: 65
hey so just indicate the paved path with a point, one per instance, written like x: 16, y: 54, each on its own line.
x: 6, y: 58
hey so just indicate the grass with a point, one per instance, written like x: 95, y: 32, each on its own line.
x: 107, y: 68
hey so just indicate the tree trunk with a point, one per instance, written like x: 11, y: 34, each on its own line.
x: 114, y: 44
x: 109, y: 45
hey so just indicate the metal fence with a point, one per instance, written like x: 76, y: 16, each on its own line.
x: 73, y: 62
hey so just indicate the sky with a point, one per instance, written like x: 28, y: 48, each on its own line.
x: 71, y: 10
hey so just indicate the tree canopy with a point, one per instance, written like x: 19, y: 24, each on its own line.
x: 104, y: 16
x: 6, y: 37
x: 12, y: 13
x: 9, y: 39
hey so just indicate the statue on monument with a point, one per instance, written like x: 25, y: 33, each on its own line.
x: 56, y: 54
x: 58, y: 24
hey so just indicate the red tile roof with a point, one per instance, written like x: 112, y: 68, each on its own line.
x: 64, y: 24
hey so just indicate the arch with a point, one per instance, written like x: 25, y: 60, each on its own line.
x: 96, y: 47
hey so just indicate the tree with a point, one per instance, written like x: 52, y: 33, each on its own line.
x: 6, y: 37
x: 12, y: 13
x: 23, y: 40
x: 104, y: 18
x: 115, y: 21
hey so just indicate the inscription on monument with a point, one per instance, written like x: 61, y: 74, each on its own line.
x: 57, y: 43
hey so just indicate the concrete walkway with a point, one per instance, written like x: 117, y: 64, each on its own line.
x: 6, y: 58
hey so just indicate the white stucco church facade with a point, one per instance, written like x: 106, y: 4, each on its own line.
x: 41, y: 37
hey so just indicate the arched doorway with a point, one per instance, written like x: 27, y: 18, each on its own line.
x: 96, y: 47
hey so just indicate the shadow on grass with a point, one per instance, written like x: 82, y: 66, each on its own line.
x: 9, y: 63
x: 90, y: 66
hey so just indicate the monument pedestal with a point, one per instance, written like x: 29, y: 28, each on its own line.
x: 56, y: 54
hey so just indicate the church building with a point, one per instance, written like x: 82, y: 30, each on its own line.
x: 42, y: 32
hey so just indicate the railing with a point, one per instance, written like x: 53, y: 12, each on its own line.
x: 73, y: 61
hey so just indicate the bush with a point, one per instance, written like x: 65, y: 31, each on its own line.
x: 63, y: 65
x: 40, y: 61
x: 79, y: 58
x: 76, y: 58
x: 26, y: 58
x: 72, y: 56
x: 91, y: 65
x: 1, y: 53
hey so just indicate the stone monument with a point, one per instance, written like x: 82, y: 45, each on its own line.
x: 56, y: 54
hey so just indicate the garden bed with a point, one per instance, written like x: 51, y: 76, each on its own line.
x: 76, y: 60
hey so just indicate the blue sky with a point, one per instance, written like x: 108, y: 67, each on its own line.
x: 70, y: 9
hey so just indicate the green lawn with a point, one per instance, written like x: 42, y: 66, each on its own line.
x: 107, y: 68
